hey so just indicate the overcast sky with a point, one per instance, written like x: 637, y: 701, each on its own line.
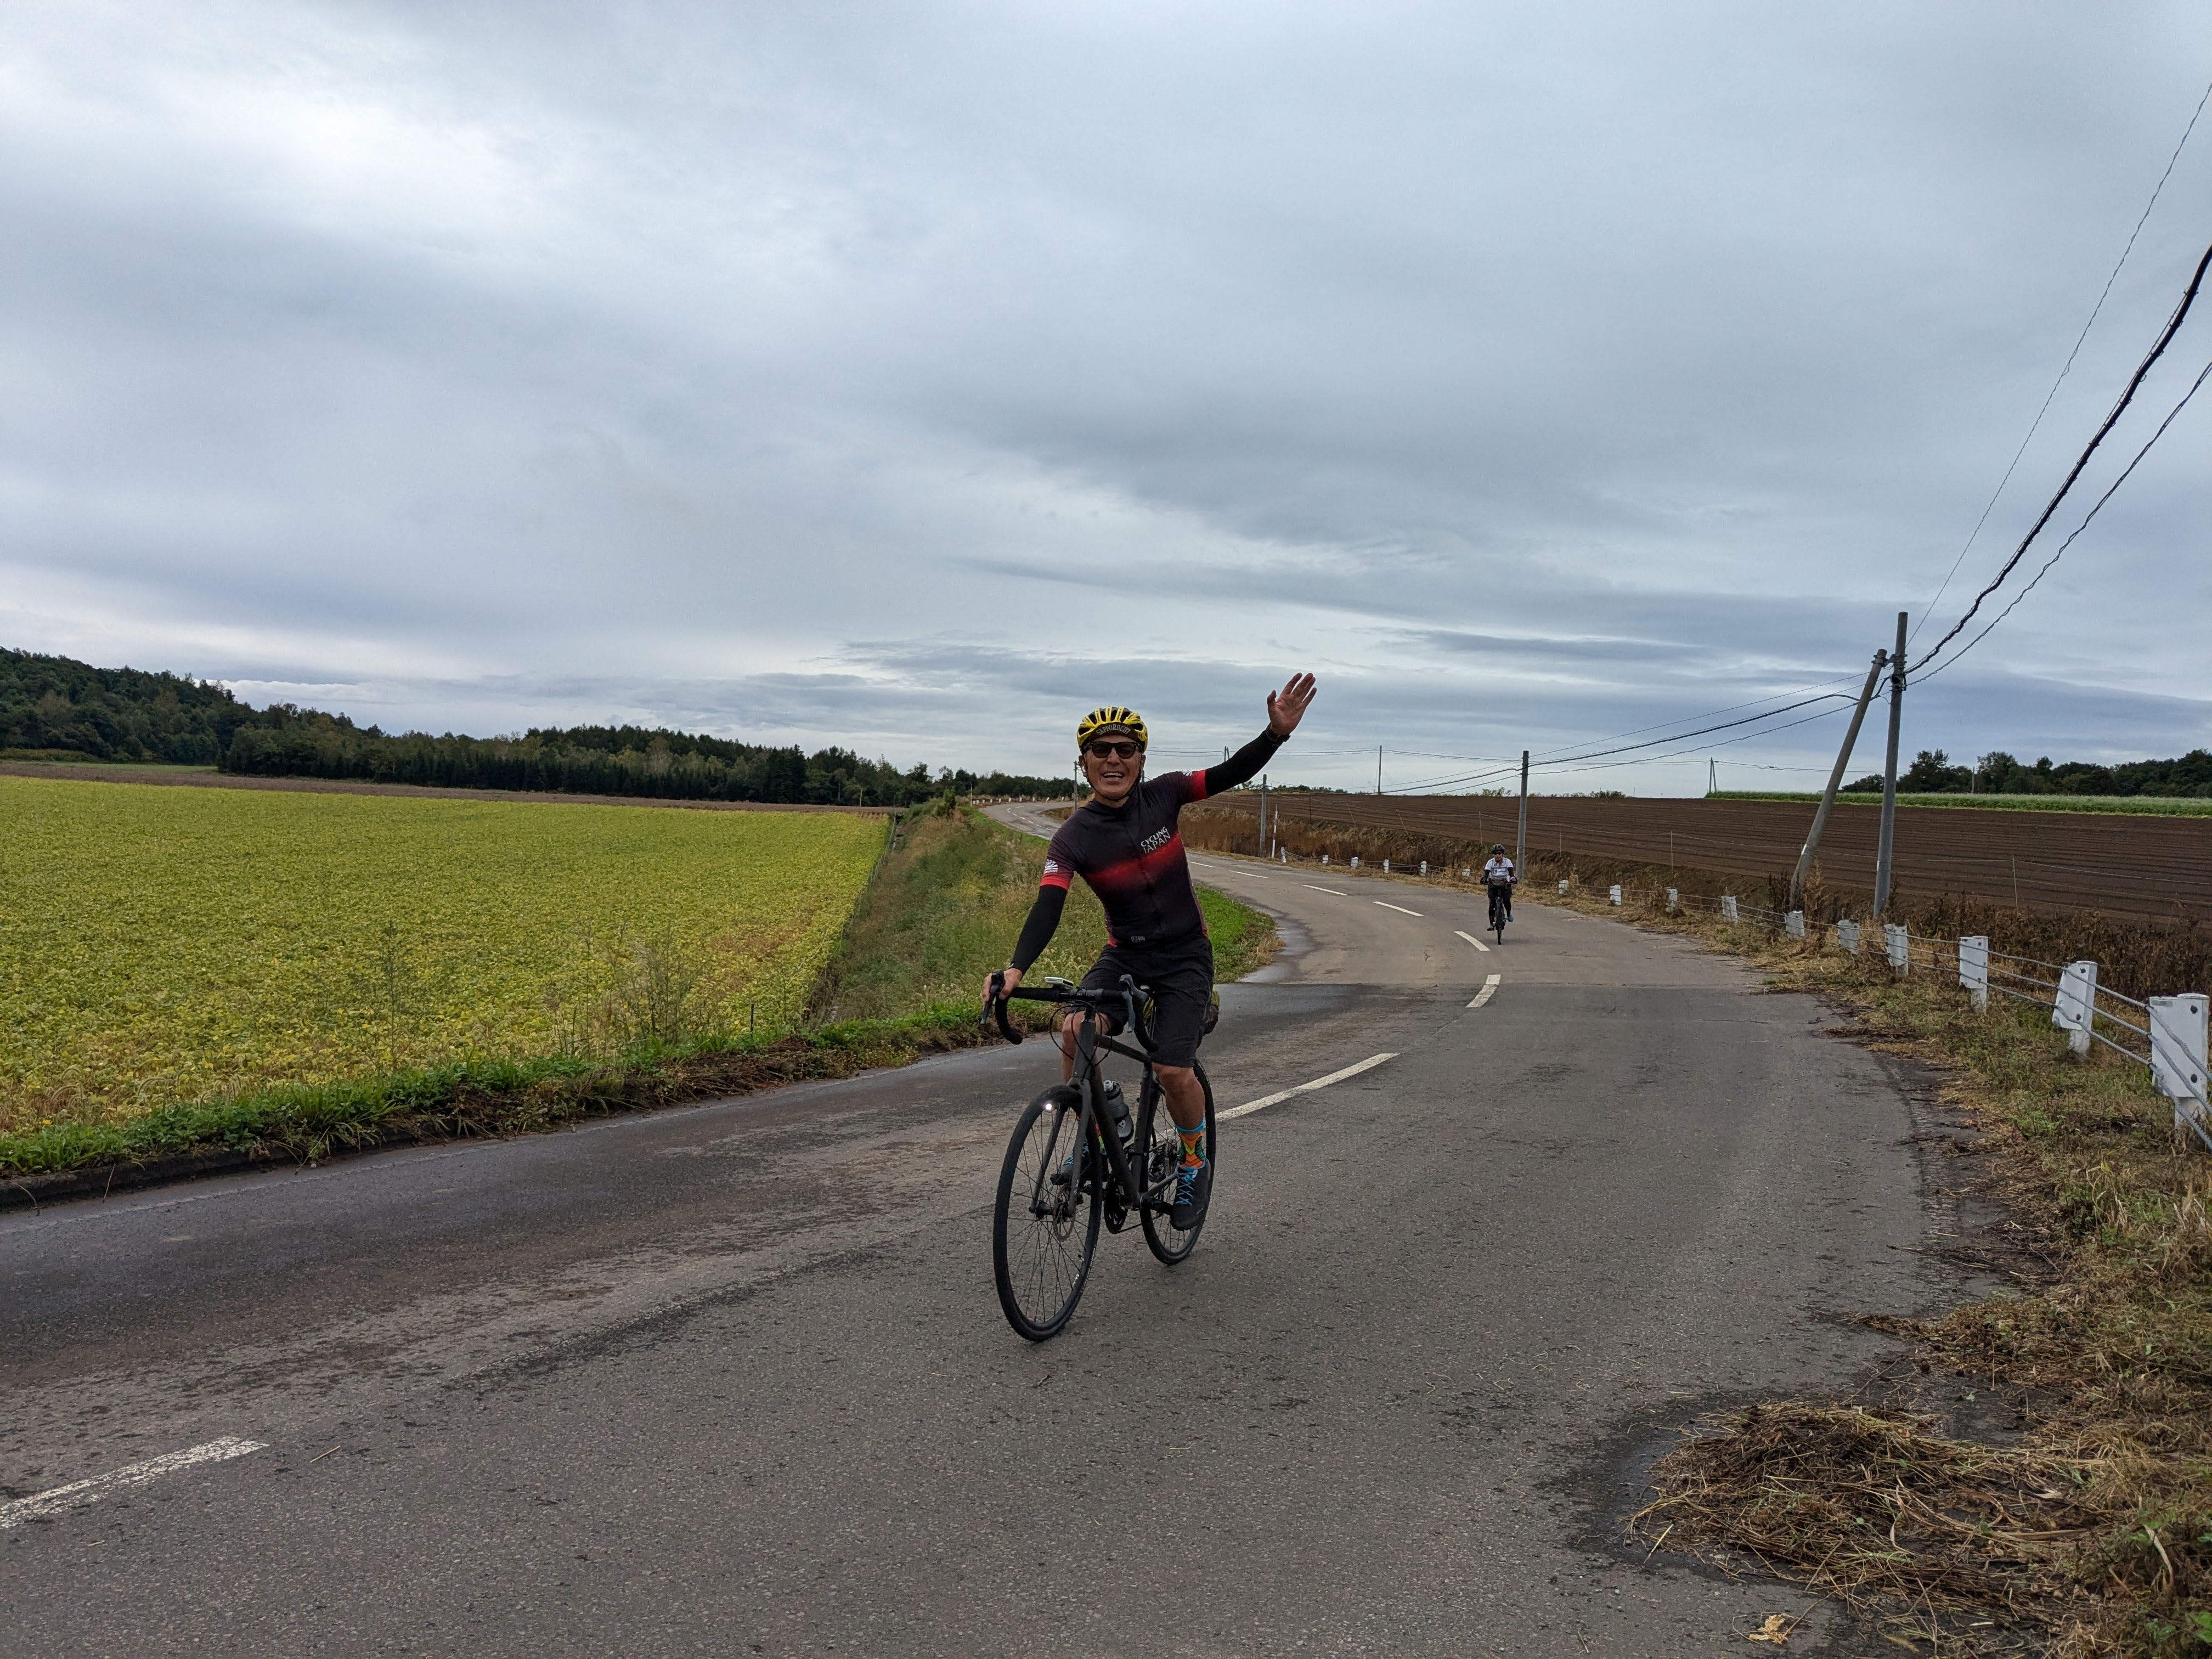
x: 916, y: 377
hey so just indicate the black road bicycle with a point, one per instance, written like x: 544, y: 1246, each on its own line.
x: 1501, y: 901
x: 1079, y: 1157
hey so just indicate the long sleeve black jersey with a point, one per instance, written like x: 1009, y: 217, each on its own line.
x: 1132, y: 856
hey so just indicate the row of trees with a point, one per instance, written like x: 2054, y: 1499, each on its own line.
x: 54, y: 705
x: 1999, y: 773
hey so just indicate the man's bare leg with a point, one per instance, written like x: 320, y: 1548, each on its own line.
x: 1069, y: 1025
x: 1186, y: 1100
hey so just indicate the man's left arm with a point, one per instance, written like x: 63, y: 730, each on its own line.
x: 1242, y: 766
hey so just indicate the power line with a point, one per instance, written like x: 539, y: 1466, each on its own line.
x: 1930, y: 609
x: 2202, y: 375
x: 2165, y: 338
x: 1572, y: 761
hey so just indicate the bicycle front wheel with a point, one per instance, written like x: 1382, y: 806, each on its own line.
x: 1162, y: 1152
x: 1045, y: 1225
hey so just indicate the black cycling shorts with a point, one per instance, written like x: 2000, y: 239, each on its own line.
x: 1181, y: 979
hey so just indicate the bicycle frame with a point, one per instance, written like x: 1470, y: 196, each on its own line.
x: 1090, y: 1086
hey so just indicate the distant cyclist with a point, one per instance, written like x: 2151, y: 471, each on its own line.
x: 1499, y: 875
x: 1123, y: 842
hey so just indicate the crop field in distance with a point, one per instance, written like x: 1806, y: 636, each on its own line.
x: 159, y: 945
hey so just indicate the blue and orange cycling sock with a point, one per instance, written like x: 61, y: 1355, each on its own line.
x: 1193, y: 1146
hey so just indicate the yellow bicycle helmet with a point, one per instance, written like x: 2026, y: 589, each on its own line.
x: 1111, y: 718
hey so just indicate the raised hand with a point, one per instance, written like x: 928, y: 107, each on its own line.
x: 1287, y: 706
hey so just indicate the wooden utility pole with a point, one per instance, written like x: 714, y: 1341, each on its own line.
x: 1520, y: 836
x: 1888, y: 844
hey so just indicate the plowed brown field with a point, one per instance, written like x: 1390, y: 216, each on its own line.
x: 2144, y: 866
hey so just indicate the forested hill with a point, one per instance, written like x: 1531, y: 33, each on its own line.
x: 58, y: 706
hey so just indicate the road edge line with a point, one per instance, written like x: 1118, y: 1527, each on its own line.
x: 78, y: 1493
x: 1266, y: 1101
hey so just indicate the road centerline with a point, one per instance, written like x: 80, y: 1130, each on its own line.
x: 1489, y: 989
x: 1472, y: 941
x: 1400, y: 909
x: 1325, y: 890
x: 1277, y: 1099
x: 78, y: 1493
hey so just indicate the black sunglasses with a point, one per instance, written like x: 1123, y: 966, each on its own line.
x: 1122, y: 750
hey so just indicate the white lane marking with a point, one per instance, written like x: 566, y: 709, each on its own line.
x: 1476, y: 942
x: 78, y: 1493
x: 1489, y: 988
x: 1325, y: 890
x: 1400, y: 909
x: 1266, y: 1101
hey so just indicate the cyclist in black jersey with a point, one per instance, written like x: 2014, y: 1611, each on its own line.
x: 1123, y: 842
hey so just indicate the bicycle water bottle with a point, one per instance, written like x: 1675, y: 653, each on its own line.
x: 1117, y: 1112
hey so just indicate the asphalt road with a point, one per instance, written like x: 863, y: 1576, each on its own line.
x: 731, y: 1379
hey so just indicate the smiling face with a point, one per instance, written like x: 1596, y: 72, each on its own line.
x: 1113, y: 763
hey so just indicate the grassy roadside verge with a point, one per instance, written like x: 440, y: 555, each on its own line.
x: 2090, y: 1531
x: 940, y: 911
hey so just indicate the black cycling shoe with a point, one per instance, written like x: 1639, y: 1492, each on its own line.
x: 1193, y: 1187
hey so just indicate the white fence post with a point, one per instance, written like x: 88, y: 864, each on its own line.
x: 1794, y: 924
x: 1324, y: 858
x: 1673, y: 899
x: 1385, y: 866
x: 2074, y: 1008
x: 1727, y: 907
x: 1355, y: 860
x: 1425, y: 866
x: 2178, y: 1059
x: 1847, y: 936
x: 1974, y: 968
x: 1899, y: 944
x: 1613, y: 893
x: 1563, y: 890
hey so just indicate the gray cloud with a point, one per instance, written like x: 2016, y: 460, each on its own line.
x: 911, y: 379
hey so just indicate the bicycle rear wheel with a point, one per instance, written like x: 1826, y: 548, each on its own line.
x: 1042, y: 1230
x: 1162, y: 1152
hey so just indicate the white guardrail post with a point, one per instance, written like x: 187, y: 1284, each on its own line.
x: 1847, y: 936
x: 1728, y: 907
x: 1974, y: 969
x: 1899, y: 943
x: 2076, y: 1005
x: 1613, y: 893
x: 1673, y: 901
x: 1563, y: 890
x: 2178, y: 1059
x: 1794, y: 924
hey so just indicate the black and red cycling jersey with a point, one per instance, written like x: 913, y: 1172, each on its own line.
x: 1132, y: 856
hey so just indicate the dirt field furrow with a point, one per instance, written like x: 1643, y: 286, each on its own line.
x: 2145, y: 866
